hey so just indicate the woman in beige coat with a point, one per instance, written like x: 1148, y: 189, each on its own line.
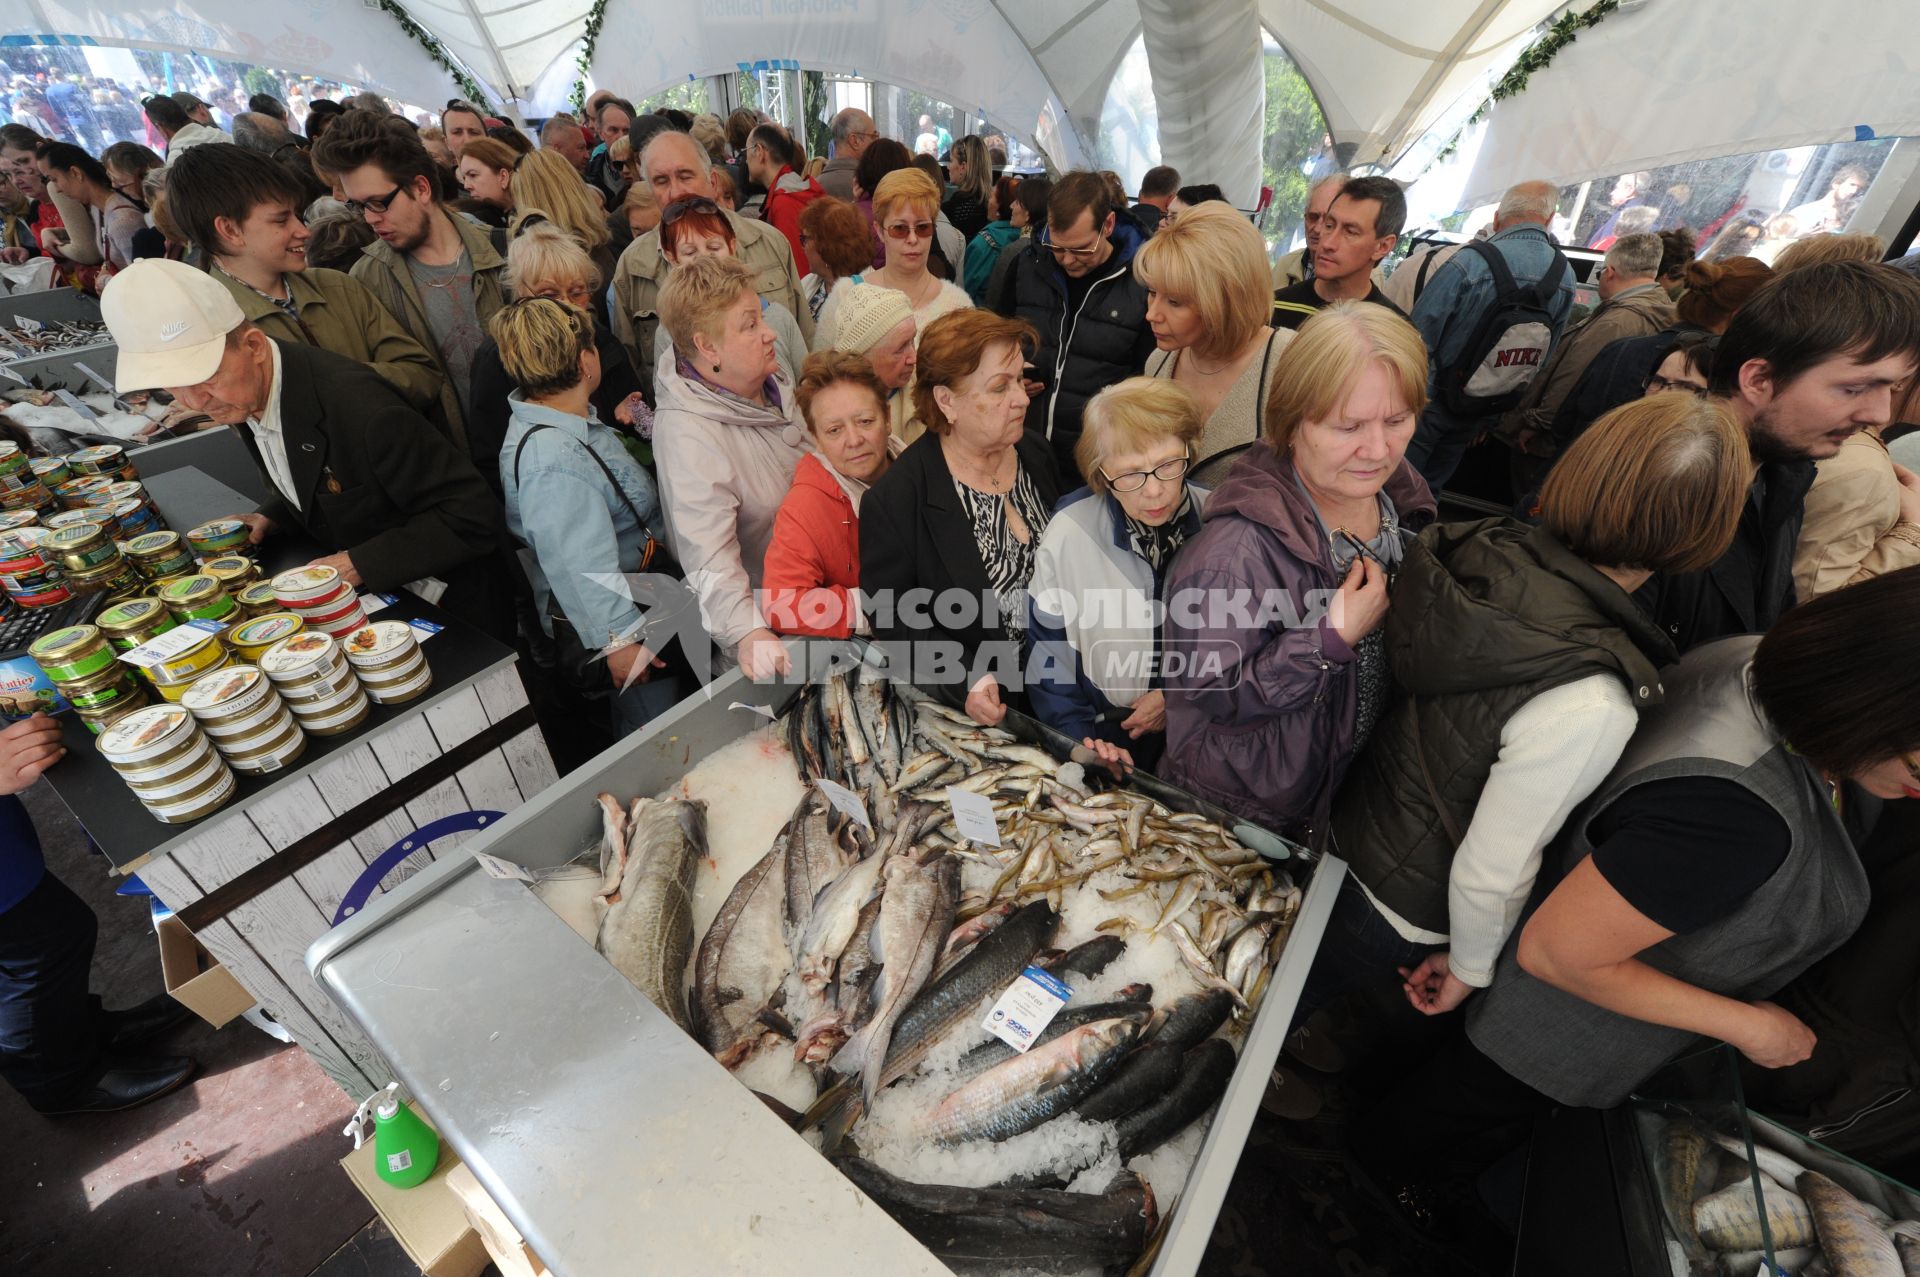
x: 1862, y: 513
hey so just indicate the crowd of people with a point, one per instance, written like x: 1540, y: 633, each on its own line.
x: 1603, y: 767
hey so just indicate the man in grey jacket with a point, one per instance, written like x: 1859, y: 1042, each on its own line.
x: 853, y: 132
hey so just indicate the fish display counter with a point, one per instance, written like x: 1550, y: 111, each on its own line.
x: 820, y: 975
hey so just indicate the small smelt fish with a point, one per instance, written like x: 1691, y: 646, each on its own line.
x: 1854, y: 1244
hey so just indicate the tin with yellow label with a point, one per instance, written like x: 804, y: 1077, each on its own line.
x: 257, y: 599
x: 232, y: 571
x: 251, y: 638
x: 200, y: 657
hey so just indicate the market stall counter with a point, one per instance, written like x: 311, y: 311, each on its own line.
x: 605, y: 1132
x: 299, y: 848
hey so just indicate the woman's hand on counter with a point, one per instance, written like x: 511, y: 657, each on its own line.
x: 259, y: 527
x: 27, y: 749
x: 983, y: 702
x: 762, y: 655
x: 1432, y: 986
x: 1775, y: 1037
x: 343, y: 564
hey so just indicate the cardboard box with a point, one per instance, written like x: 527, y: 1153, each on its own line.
x: 510, y: 1252
x: 195, y: 977
x: 428, y: 1219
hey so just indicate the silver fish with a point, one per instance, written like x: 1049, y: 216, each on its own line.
x: 648, y: 934
x: 742, y: 961
x: 1029, y: 1089
x: 916, y: 913
x: 831, y: 926
x: 613, y: 845
x: 814, y: 857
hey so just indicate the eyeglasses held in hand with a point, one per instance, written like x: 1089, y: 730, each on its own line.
x: 904, y: 230
x: 378, y: 203
x: 1134, y: 480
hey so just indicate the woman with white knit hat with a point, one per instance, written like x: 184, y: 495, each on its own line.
x: 877, y: 323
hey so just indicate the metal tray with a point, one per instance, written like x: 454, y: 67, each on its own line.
x: 604, y: 1132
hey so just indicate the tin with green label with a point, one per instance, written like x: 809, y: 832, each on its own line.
x: 198, y: 598
x: 127, y: 625
x: 72, y: 653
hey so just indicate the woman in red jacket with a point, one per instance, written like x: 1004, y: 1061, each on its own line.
x: 813, y: 561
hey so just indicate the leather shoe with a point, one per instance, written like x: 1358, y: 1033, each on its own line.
x: 143, y: 1023
x: 129, y: 1084
x: 1291, y: 1097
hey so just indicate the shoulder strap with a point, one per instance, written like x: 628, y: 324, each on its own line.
x: 1420, y: 276
x: 624, y: 498
x: 1496, y: 262
x: 1259, y: 387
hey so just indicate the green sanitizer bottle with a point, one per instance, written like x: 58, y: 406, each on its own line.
x: 405, y: 1149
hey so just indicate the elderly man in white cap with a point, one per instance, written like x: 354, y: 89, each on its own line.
x: 346, y: 460
x: 878, y: 323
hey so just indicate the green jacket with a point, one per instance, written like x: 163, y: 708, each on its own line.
x: 385, y: 272
x: 1485, y: 617
x: 338, y: 313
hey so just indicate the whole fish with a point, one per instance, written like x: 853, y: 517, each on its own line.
x: 1030, y: 1089
x: 971, y: 932
x: 1781, y: 1167
x: 1730, y: 1219
x: 742, y: 961
x: 1684, y: 1162
x: 613, y: 845
x: 1854, y: 1243
x: 1204, y: 1074
x: 648, y: 934
x: 1085, y: 961
x: 814, y: 857
x: 1247, y: 955
x: 984, y: 972
x: 916, y: 913
x: 1130, y: 1001
x: 1142, y: 1078
x: 851, y: 1000
x: 1003, y: 1229
x: 1188, y: 1021
x: 818, y: 947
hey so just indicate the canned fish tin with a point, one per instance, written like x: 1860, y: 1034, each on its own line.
x: 321, y: 697
x: 231, y: 570
x: 98, y: 720
x: 160, y: 556
x: 392, y: 674
x: 380, y: 645
x: 217, y: 537
x: 12, y: 519
x: 116, y: 577
x: 52, y: 596
x: 135, y: 518
x: 258, y: 599
x: 111, y: 686
x: 72, y: 653
x: 74, y: 492
x: 350, y: 716
x: 249, y: 639
x: 268, y: 752
x: 251, y: 724
x: 82, y: 546
x: 398, y: 693
x: 52, y: 471
x: 197, y: 598
x: 92, y: 515
x: 203, y: 768
x: 24, y: 496
x: 201, y: 803
x: 311, y: 587
x: 338, y: 620
x: 12, y: 459
x: 301, y: 658
x: 151, y: 738
x: 107, y: 459
x: 127, y: 625
x: 227, y: 694
x: 203, y: 656
x: 174, y: 689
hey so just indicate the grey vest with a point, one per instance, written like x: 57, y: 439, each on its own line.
x: 1578, y: 1053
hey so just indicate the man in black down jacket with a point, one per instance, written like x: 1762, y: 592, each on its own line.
x: 1075, y: 284
x: 1811, y: 361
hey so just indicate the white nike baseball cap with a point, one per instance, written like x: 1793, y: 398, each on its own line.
x: 170, y: 321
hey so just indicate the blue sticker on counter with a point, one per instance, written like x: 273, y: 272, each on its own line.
x: 1863, y: 133
x: 425, y: 629
x: 25, y: 689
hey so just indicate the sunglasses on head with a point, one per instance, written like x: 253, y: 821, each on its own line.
x: 692, y: 204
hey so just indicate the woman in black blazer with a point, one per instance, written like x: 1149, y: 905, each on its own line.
x: 947, y: 536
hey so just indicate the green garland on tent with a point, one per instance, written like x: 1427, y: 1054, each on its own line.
x: 595, y: 16
x: 1537, y: 56
x: 469, y: 87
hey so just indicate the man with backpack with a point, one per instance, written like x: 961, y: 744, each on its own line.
x: 1491, y: 313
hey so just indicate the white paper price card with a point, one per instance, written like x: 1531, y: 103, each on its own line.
x: 845, y: 800
x: 1026, y: 1008
x: 498, y: 868
x: 26, y: 325
x: 973, y: 816
x: 165, y: 647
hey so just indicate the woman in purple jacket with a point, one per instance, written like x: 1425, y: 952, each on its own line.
x: 1276, y: 671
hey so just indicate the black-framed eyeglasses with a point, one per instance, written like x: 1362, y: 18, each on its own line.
x: 1171, y: 471
x: 692, y: 204
x: 378, y: 203
x: 1063, y: 250
x: 1656, y: 384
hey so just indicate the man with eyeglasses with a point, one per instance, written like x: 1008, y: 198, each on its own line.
x: 440, y: 275
x: 853, y: 133
x: 243, y: 210
x: 1075, y: 285
x: 676, y: 168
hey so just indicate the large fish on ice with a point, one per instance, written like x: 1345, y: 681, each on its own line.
x: 648, y: 933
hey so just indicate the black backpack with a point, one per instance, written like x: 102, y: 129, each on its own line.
x: 1509, y: 346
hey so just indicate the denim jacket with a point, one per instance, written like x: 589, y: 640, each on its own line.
x: 561, y: 507
x: 1457, y: 294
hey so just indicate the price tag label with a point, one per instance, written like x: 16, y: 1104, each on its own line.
x: 373, y: 600
x: 71, y: 400
x: 765, y: 711
x: 973, y: 816
x: 845, y: 800
x: 401, y: 1161
x: 166, y: 646
x: 424, y: 630
x: 1024, y: 1011
x: 498, y: 868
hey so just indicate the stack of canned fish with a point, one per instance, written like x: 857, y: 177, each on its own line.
x: 91, y: 561
x: 30, y: 576
x: 130, y: 623
x: 387, y: 659
x: 249, y: 639
x: 20, y: 487
x: 233, y: 571
x: 318, y: 684
x: 198, y: 598
x: 85, y: 668
x: 171, y: 675
x: 246, y: 720
x: 74, y: 492
x: 319, y: 597
x: 109, y: 459
x: 160, y: 556
x: 129, y: 506
x: 257, y: 598
x: 218, y: 537
x: 52, y: 471
x: 168, y: 762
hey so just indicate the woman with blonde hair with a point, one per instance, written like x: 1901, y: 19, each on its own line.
x: 970, y: 169
x: 1276, y: 699
x: 1208, y: 302
x: 1100, y: 572
x: 904, y: 208
x: 1816, y: 250
x: 1523, y: 665
x: 548, y: 187
x: 575, y: 499
x: 727, y: 436
x: 638, y: 212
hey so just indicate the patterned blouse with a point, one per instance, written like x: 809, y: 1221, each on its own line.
x: 1008, y: 561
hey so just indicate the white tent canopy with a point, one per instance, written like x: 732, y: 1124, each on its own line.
x: 1670, y: 82
x: 1383, y: 69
